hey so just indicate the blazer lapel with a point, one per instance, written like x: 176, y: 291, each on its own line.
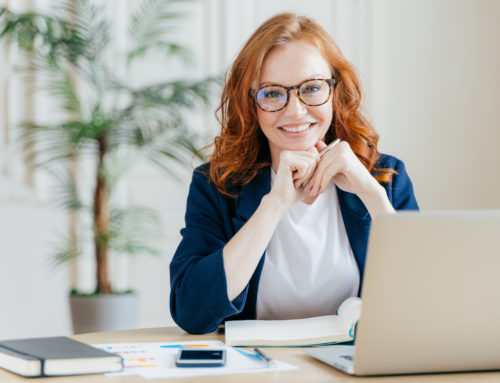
x: 357, y: 222
x: 252, y: 194
x: 248, y: 202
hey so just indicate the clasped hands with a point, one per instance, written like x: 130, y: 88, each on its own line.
x: 303, y: 175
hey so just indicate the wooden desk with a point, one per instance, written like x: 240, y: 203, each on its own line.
x: 310, y: 370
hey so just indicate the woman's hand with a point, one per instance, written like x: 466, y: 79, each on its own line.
x: 242, y: 253
x: 341, y: 165
x: 295, y: 170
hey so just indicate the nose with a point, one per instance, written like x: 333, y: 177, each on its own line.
x: 295, y: 107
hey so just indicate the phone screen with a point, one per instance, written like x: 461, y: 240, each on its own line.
x: 201, y: 354
x: 201, y: 358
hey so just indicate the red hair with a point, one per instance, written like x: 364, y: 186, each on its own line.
x: 241, y: 149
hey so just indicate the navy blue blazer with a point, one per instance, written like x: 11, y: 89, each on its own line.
x: 198, y: 297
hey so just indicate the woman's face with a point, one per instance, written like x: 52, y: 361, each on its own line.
x: 297, y: 126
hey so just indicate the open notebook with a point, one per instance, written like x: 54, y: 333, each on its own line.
x: 316, y: 331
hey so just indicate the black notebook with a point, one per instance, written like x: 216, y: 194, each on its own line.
x: 55, y: 356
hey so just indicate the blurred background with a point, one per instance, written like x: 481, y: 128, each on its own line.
x: 431, y: 79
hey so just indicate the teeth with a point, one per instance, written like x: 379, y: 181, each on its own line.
x: 296, y: 129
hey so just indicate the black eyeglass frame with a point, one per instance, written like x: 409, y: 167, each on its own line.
x: 330, y: 81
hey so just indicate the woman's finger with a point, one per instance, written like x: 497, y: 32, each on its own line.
x: 320, y: 145
x: 305, y: 163
x: 326, y: 169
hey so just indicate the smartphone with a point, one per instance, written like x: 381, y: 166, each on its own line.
x: 201, y: 358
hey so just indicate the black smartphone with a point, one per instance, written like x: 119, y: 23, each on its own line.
x: 201, y: 358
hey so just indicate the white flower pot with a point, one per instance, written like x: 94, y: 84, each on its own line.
x: 104, y: 312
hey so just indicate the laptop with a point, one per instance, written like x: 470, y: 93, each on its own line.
x: 431, y: 296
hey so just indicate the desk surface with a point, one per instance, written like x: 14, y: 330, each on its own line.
x: 310, y: 370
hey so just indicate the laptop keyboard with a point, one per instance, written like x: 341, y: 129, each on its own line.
x: 348, y: 357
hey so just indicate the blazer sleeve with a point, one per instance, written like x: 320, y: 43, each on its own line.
x: 198, y: 295
x: 401, y: 192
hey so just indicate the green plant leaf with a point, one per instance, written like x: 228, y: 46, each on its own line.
x: 150, y: 27
x: 66, y: 250
x: 50, y: 37
x: 133, y: 230
x: 89, y: 22
x: 117, y: 163
x: 47, y: 144
x: 64, y: 193
x: 105, y: 121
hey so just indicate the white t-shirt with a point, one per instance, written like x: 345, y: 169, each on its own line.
x: 309, y: 269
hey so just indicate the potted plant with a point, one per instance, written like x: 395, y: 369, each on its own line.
x: 107, y: 122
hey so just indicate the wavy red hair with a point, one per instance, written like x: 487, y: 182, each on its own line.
x: 241, y: 149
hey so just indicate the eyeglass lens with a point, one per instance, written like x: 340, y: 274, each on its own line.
x: 312, y: 93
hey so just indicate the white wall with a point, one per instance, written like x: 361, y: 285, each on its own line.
x: 429, y: 69
x: 434, y: 96
x: 32, y: 294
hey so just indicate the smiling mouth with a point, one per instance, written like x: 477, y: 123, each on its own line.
x: 297, y: 129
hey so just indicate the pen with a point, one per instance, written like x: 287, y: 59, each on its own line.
x: 263, y: 357
x: 326, y: 149
x: 331, y: 145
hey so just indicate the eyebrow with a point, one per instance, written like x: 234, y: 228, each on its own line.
x: 313, y: 76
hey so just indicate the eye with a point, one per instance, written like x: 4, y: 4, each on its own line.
x: 311, y: 88
x: 272, y: 94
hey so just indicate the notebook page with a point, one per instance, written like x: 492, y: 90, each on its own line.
x: 286, y: 329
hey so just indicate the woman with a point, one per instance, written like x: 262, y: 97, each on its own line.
x: 273, y: 230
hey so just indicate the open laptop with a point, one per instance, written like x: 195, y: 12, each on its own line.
x: 431, y: 296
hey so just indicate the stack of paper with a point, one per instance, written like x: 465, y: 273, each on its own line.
x: 157, y: 360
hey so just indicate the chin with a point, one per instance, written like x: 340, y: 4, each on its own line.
x: 301, y: 146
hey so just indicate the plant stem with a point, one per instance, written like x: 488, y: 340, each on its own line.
x: 101, y: 222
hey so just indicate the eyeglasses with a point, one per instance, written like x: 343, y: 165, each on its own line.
x: 274, y: 97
